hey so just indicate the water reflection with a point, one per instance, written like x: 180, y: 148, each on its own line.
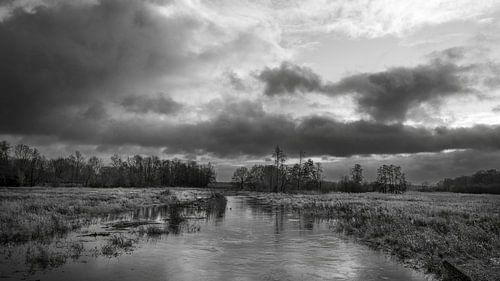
x: 280, y: 215
x: 239, y: 240
x: 109, y: 236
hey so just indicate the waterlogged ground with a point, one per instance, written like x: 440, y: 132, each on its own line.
x: 28, y: 214
x: 45, y: 228
x: 433, y: 232
x: 243, y: 240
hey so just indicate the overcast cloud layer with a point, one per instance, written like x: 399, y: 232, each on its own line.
x: 226, y: 82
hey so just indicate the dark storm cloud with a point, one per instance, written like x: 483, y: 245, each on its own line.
x: 388, y: 95
x: 384, y: 96
x: 96, y: 111
x: 65, y: 57
x: 63, y: 63
x: 289, y: 78
x: 161, y: 104
x: 245, y: 129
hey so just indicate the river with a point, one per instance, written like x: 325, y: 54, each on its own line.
x: 247, y: 241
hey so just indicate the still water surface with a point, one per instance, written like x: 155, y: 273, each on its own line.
x: 249, y: 241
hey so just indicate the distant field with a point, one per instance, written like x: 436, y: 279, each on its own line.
x: 420, y: 229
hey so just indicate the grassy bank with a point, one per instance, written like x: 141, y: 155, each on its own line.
x: 420, y: 229
x: 32, y: 219
x: 28, y: 214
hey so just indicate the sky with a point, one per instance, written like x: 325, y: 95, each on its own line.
x: 411, y: 83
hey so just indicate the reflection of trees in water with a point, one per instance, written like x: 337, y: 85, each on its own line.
x: 258, y: 209
x: 179, y: 216
x: 150, y: 213
x: 279, y: 215
x: 276, y: 213
x: 212, y: 209
x: 143, y: 222
x: 215, y: 207
x: 176, y: 218
x: 306, y: 222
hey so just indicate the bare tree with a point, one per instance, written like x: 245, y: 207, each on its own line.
x: 357, y: 174
x: 299, y: 169
x: 5, y: 171
x: 391, y: 179
x: 241, y: 176
x: 318, y: 175
x: 279, y: 161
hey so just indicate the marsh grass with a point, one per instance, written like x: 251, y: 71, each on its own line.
x: 420, y: 229
x: 35, y: 222
x: 152, y: 230
x: 28, y: 214
x: 40, y: 256
x: 117, y: 245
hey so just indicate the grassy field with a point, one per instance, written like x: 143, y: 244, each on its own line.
x: 28, y: 214
x: 421, y: 229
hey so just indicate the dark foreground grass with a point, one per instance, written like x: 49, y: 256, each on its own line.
x: 421, y: 229
x: 28, y: 214
x: 39, y: 256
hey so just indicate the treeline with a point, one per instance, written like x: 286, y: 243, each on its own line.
x: 483, y: 181
x: 390, y: 179
x: 280, y: 178
x: 22, y: 165
x: 308, y: 175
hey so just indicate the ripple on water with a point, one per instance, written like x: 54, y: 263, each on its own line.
x: 249, y: 242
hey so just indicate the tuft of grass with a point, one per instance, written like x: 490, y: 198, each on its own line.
x: 152, y: 230
x: 175, y: 216
x: 76, y: 249
x: 117, y: 245
x: 39, y: 257
x: 166, y: 192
